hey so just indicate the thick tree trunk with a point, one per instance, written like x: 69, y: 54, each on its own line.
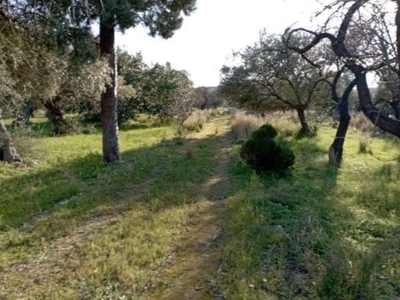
x: 305, y: 129
x: 27, y: 111
x: 111, y: 151
x: 7, y: 150
x: 336, y: 149
x: 396, y: 108
x: 56, y: 116
x: 383, y: 122
x: 397, y: 21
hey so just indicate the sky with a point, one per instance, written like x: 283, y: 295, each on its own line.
x: 208, y: 37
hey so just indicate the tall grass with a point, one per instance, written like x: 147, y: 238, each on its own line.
x: 243, y: 125
x: 361, y: 123
x: 197, y: 120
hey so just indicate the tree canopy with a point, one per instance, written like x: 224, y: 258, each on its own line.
x: 158, y: 90
x: 366, y: 40
x: 271, y: 77
x: 67, y: 25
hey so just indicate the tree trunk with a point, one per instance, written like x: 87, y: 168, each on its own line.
x: 305, y: 129
x: 56, y: 116
x: 336, y: 149
x: 27, y: 111
x: 111, y: 151
x: 7, y: 150
x: 395, y: 104
x: 368, y: 108
x: 383, y: 122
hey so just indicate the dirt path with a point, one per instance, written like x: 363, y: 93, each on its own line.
x: 194, y: 267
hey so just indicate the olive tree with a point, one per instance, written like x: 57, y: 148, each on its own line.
x: 272, y: 77
x: 206, y: 97
x: 342, y: 100
x: 158, y: 90
x: 366, y: 40
x: 8, y: 97
x: 69, y: 22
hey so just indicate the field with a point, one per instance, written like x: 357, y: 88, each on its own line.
x: 182, y: 217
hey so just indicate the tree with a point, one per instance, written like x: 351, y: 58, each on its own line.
x: 70, y: 23
x: 7, y: 97
x: 340, y: 88
x: 52, y: 68
x: 158, y: 90
x: 11, y: 98
x: 377, y: 46
x: 162, y: 18
x: 206, y: 97
x: 8, y: 152
x: 77, y: 85
x: 36, y: 67
x: 271, y: 77
x: 56, y: 82
x: 336, y: 149
x: 387, y: 96
x: 166, y: 92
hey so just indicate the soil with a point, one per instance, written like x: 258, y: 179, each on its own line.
x: 194, y: 268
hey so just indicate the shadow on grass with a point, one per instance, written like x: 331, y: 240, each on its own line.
x: 301, y: 240
x: 134, y: 126
x: 152, y: 181
x: 84, y: 183
x: 292, y: 237
x: 380, y: 192
x: 41, y: 127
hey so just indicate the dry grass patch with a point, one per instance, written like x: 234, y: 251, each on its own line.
x: 243, y: 125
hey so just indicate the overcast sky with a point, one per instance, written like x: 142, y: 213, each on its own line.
x: 208, y: 36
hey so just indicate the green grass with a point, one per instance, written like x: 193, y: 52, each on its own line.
x: 327, y: 232
x: 133, y: 212
x: 78, y: 229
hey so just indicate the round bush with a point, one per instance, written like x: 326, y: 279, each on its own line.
x: 265, y: 155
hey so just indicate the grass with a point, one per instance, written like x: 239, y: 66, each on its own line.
x: 243, y: 125
x: 121, y: 221
x: 328, y: 232
x: 197, y: 120
x: 74, y: 228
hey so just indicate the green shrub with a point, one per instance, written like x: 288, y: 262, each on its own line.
x: 265, y: 155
